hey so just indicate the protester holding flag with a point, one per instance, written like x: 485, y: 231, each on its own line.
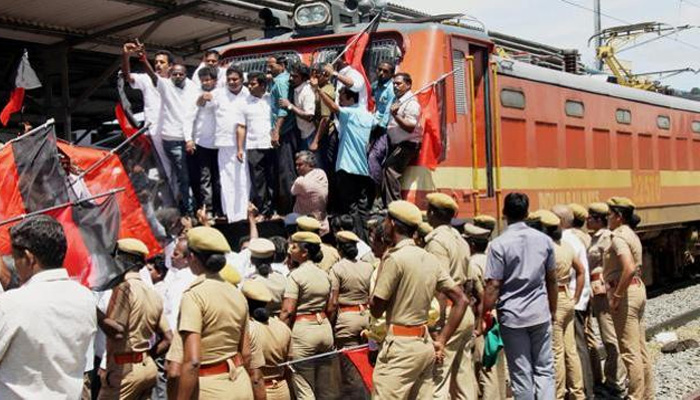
x: 348, y: 77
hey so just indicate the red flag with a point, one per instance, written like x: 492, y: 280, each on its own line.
x: 25, y: 79
x: 360, y: 359
x: 356, y: 46
x: 431, y: 147
x: 11, y: 203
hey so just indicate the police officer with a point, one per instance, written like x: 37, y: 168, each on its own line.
x: 304, y: 310
x: 330, y: 254
x: 627, y: 296
x: 407, y: 280
x: 455, y: 375
x: 131, y: 372
x: 578, y: 225
x: 262, y: 252
x: 485, y: 222
x: 601, y: 240
x: 566, y: 361
x: 212, y: 326
x: 271, y: 336
x: 492, y: 381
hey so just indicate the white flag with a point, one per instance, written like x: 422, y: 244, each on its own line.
x: 26, y: 77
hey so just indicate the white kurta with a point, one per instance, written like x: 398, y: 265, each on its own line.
x: 235, y: 184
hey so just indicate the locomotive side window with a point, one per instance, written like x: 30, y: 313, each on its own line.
x: 623, y: 116
x: 513, y: 98
x: 574, y: 108
x: 695, y: 126
x: 458, y: 61
x: 663, y: 122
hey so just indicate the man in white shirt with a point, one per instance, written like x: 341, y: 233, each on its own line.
x: 304, y: 106
x: 207, y: 191
x: 211, y: 59
x: 47, y: 325
x: 261, y: 156
x: 347, y: 76
x: 229, y: 104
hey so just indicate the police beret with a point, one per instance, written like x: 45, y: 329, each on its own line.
x: 547, y: 218
x: 599, y: 208
x: 230, y: 274
x: 347, y: 236
x: 261, y: 248
x: 132, y: 246
x: 306, y: 237
x: 308, y: 224
x: 405, y: 212
x: 204, y: 238
x: 256, y: 290
x: 485, y: 221
x: 443, y: 201
x: 424, y: 228
x: 580, y: 212
x: 475, y: 231
x: 620, y: 202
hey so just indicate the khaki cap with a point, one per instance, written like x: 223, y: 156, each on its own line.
x: 204, y: 238
x: 424, y: 228
x: 347, y: 236
x: 533, y: 216
x: 256, y: 290
x: 261, y: 248
x: 443, y: 201
x: 230, y: 274
x: 621, y: 202
x: 580, y: 212
x: 306, y: 237
x: 132, y: 246
x: 485, y: 221
x: 547, y: 218
x: 475, y: 231
x: 308, y: 224
x: 405, y: 212
x: 599, y: 208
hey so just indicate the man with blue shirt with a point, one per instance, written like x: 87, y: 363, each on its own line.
x: 383, y: 94
x: 352, y: 169
x: 521, y: 284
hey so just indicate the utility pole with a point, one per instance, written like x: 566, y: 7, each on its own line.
x: 596, y: 30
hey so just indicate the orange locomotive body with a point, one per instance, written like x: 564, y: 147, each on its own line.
x: 512, y: 126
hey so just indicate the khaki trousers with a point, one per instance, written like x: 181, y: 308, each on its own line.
x: 613, y: 369
x: 233, y: 385
x: 129, y: 381
x: 278, y: 391
x: 567, y: 364
x: 319, y: 377
x: 492, y: 381
x: 454, y: 378
x: 630, y: 330
x: 348, y: 327
x: 404, y: 369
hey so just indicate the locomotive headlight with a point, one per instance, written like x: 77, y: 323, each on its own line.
x: 312, y: 15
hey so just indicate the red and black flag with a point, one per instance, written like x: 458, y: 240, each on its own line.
x: 25, y: 79
x: 354, y: 54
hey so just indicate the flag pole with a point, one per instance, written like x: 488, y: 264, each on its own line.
x: 357, y: 37
x: 321, y: 355
x: 46, y: 124
x: 57, y: 207
x: 430, y: 84
x: 111, y: 153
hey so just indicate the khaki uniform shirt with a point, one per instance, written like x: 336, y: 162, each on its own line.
x: 583, y: 235
x: 273, y: 338
x: 351, y: 280
x: 452, y: 252
x: 477, y: 264
x: 330, y: 257
x: 218, y: 312
x: 310, y: 286
x: 564, y: 256
x: 139, y: 309
x: 600, y: 242
x: 624, y: 242
x: 408, y: 278
x: 276, y: 283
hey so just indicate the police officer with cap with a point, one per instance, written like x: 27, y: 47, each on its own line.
x: 138, y: 309
x: 330, y: 254
x: 579, y: 223
x: 262, y: 252
x: 627, y: 296
x: 485, y: 222
x: 407, y: 280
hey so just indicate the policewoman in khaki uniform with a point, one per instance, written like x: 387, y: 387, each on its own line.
x: 262, y: 252
x: 567, y: 364
x: 627, y: 296
x: 330, y: 254
x: 407, y: 280
x: 613, y: 370
x: 271, y: 336
x: 350, y: 279
x: 304, y: 310
x: 131, y: 372
x: 454, y: 377
x: 212, y: 326
x: 492, y: 381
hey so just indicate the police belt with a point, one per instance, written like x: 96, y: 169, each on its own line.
x: 271, y: 372
x: 220, y: 367
x: 312, y: 316
x: 408, y: 330
x: 129, y: 358
x: 352, y: 308
x: 613, y: 284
